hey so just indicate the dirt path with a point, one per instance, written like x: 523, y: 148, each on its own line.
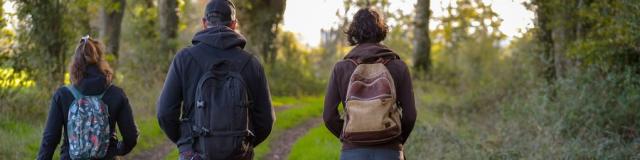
x: 281, y: 108
x: 158, y: 153
x: 281, y: 146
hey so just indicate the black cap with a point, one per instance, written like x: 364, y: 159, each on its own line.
x: 223, y: 10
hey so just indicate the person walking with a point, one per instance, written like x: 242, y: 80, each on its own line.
x: 215, y: 103
x: 375, y: 88
x: 87, y: 111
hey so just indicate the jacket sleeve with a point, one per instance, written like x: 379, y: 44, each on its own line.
x: 53, y: 129
x: 331, y: 115
x: 407, y: 102
x: 127, y: 127
x: 169, y: 102
x: 262, y: 115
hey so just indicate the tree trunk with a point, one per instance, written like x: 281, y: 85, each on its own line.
x: 112, y: 14
x: 564, y: 33
x: 168, y: 20
x: 259, y: 21
x: 545, y: 41
x: 422, y: 42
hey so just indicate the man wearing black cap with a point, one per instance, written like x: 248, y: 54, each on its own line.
x: 180, y: 113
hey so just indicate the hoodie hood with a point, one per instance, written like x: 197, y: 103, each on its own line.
x: 370, y: 51
x: 221, y: 37
x: 94, y: 81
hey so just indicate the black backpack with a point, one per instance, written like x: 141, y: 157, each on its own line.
x: 220, y: 127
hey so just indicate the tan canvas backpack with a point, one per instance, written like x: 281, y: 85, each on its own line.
x: 372, y: 114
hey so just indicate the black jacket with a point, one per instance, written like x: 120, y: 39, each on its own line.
x: 120, y: 113
x: 188, y: 66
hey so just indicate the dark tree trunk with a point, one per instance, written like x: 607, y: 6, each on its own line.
x: 543, y: 34
x: 168, y: 20
x: 422, y: 42
x: 112, y: 14
x: 259, y: 21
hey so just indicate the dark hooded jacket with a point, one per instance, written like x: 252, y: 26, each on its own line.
x: 339, y: 81
x: 93, y: 83
x: 190, y: 64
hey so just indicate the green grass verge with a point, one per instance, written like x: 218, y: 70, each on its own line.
x: 28, y: 137
x: 150, y: 135
x: 173, y: 155
x: 307, y: 108
x: 318, y: 143
x: 278, y: 101
x: 21, y: 140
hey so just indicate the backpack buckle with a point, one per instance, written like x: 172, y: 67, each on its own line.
x: 204, y: 131
x: 200, y: 103
x: 201, y: 131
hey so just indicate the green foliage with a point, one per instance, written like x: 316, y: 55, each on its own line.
x: 2, y: 19
x: 259, y: 22
x: 318, y: 143
x: 604, y: 104
x: 602, y: 33
x: 45, y: 39
x: 292, y: 73
x: 467, y: 56
x: 610, y: 34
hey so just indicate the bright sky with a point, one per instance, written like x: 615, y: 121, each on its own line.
x: 307, y: 17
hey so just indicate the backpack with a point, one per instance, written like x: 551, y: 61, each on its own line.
x: 88, y: 128
x: 221, y: 115
x: 372, y: 115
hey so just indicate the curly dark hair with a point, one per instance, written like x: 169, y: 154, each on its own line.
x: 368, y: 26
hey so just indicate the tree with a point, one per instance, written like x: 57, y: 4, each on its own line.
x: 112, y: 14
x: 168, y: 20
x: 259, y: 21
x: 422, y: 42
x: 577, y: 32
x: 542, y: 33
x: 45, y: 40
x: 2, y: 20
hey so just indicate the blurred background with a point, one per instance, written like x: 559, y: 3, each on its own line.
x: 494, y: 79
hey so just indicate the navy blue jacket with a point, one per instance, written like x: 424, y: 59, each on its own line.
x: 120, y: 113
x: 190, y: 64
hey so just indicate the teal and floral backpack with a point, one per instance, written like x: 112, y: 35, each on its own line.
x: 88, y: 129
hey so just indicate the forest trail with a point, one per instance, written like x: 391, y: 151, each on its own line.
x: 158, y: 152
x: 281, y: 145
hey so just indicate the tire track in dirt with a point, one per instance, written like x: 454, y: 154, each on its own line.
x: 281, y: 146
x: 158, y: 152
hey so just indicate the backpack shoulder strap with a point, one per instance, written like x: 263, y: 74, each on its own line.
x: 243, y: 63
x: 76, y: 94
x: 193, y: 50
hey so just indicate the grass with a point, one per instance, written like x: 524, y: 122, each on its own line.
x: 280, y: 101
x: 150, y: 135
x: 307, y: 108
x: 21, y: 140
x: 318, y: 143
x: 173, y: 155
